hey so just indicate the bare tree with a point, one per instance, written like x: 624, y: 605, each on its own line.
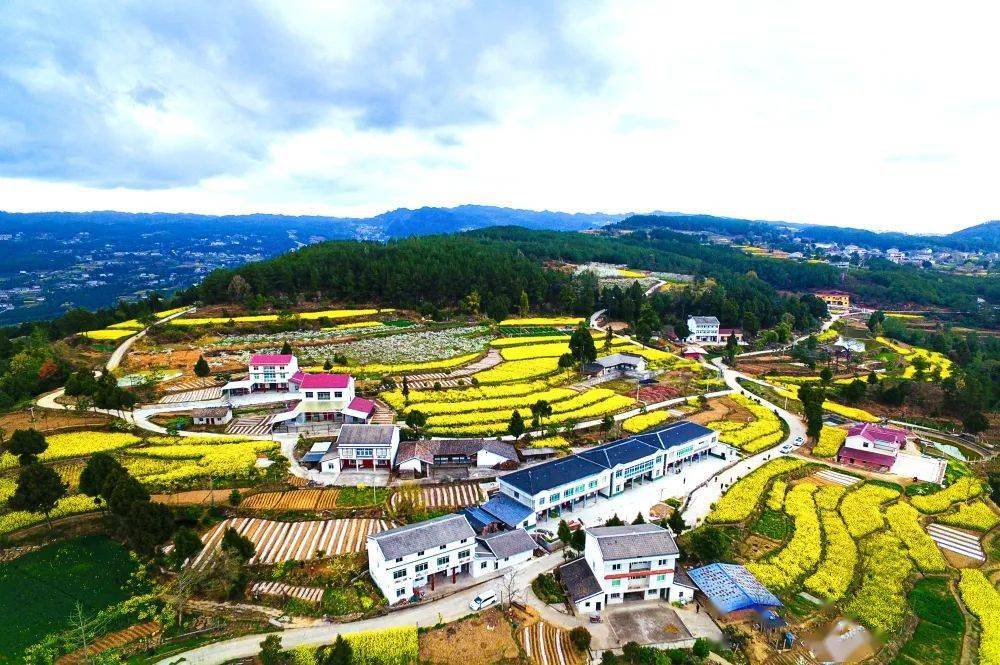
x: 510, y: 589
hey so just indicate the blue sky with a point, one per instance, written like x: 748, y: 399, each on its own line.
x: 882, y: 115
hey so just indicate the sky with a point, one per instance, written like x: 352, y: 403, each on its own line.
x: 880, y: 115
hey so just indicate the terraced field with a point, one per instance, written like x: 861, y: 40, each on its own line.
x: 457, y: 495
x: 292, y: 541
x: 303, y: 499
x: 545, y: 644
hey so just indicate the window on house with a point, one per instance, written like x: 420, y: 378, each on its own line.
x: 443, y: 547
x: 398, y: 559
x: 554, y: 498
x: 662, y: 562
x: 420, y: 553
x: 309, y: 394
x: 616, y: 582
x: 464, y: 553
x: 399, y: 574
x: 400, y: 592
x: 661, y: 578
x: 483, y: 565
x: 442, y: 561
x: 338, y: 394
x: 616, y: 566
x: 420, y: 567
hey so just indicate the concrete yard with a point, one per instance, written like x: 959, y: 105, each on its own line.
x: 647, y: 623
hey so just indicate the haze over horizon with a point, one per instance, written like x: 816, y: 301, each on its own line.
x: 878, y: 117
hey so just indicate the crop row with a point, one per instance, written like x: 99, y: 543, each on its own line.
x: 264, y: 318
x: 570, y: 401
x: 840, y: 557
x: 963, y: 489
x: 610, y: 405
x: 982, y: 599
x: 743, y: 497
x: 904, y: 521
x: 643, y: 421
x: 862, y: 508
x: 521, y: 401
x: 801, y: 554
x: 880, y: 602
x: 830, y: 440
x: 976, y: 516
x: 396, y: 400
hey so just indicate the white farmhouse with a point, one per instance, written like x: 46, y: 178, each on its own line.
x: 417, y: 555
x: 703, y: 330
x: 624, y: 563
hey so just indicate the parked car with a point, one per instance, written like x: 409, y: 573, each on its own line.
x: 483, y: 600
x: 787, y: 448
x: 799, y: 441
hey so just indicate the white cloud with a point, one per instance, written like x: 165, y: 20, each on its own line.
x: 855, y: 114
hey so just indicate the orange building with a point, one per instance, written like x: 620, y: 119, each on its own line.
x: 837, y: 302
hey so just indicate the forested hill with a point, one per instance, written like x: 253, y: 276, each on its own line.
x: 499, y: 263
x: 983, y: 236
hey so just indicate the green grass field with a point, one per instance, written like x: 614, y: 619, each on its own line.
x: 773, y: 524
x: 938, y: 636
x: 39, y: 591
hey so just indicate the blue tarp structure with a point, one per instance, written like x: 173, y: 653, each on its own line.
x: 478, y: 518
x: 730, y: 588
x: 507, y: 510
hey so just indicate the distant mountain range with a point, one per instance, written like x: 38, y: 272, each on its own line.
x: 982, y: 236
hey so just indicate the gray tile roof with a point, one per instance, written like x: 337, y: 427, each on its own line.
x: 633, y: 541
x: 211, y: 412
x: 509, y: 543
x: 366, y: 435
x: 427, y: 449
x: 579, y: 580
x: 413, y: 538
x: 616, y: 359
x: 706, y: 320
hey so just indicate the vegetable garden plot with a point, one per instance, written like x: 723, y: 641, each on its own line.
x: 275, y: 542
x: 457, y: 495
x: 305, y: 499
x: 544, y: 644
x: 307, y: 593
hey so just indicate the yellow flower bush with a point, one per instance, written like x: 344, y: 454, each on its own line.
x: 169, y: 312
x: 569, y: 401
x: 550, y: 442
x: 644, y: 421
x: 389, y: 646
x: 188, y: 463
x: 776, y: 497
x: 625, y: 272
x: 108, y: 334
x: 76, y: 444
x: 264, y: 318
x: 830, y: 440
x: 828, y: 497
x: 742, y: 498
x: 862, y: 508
x: 501, y: 342
x: 880, y: 602
x: 556, y: 349
x: 357, y: 325
x: 963, y: 489
x: 544, y: 321
x: 827, y: 335
x: 903, y: 520
x: 552, y: 396
x: 791, y: 392
x: 801, y: 554
x: 840, y: 557
x: 401, y: 368
x: 982, y: 599
x: 518, y: 371
x: 762, y: 433
x: 70, y: 505
x: 592, y: 404
x: 131, y: 324
x: 976, y: 516
x: 395, y: 399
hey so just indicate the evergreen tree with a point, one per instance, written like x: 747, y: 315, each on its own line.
x: 639, y: 519
x: 186, y: 545
x: 327, y: 365
x: 340, y: 653
x: 286, y: 349
x: 676, y: 522
x: 812, y: 397
x: 523, y: 305
x: 96, y: 472
x: 581, y: 345
x: 201, y: 368
x: 38, y: 490
x: 516, y: 425
x: 27, y: 444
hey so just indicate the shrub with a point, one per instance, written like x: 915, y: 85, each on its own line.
x: 580, y: 637
x: 861, y: 508
x: 744, y: 496
x: 963, y: 489
x: 840, y: 557
x: 976, y: 516
x: 801, y: 554
x: 903, y: 520
x: 982, y: 599
x: 880, y: 602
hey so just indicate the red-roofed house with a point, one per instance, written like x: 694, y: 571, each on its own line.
x: 271, y: 371
x: 871, y: 446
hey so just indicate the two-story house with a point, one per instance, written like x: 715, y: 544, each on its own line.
x: 266, y: 372
x: 363, y: 447
x: 567, y: 483
x: 703, y: 330
x: 417, y: 555
x: 623, y: 563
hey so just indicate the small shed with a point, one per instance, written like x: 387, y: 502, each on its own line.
x: 213, y: 415
x: 732, y: 591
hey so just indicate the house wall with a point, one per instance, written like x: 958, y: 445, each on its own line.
x: 414, y: 465
x: 488, y: 459
x: 492, y: 564
x: 615, y: 582
x: 397, y: 589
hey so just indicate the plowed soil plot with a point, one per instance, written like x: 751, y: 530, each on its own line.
x: 457, y: 495
x: 657, y: 393
x: 275, y: 542
x: 307, y: 499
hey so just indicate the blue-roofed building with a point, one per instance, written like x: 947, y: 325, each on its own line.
x: 732, y: 588
x: 479, y: 518
x: 316, y: 454
x: 567, y: 483
x: 511, y: 512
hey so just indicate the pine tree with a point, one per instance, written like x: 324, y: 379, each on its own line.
x: 201, y: 368
x: 286, y: 349
x: 38, y: 490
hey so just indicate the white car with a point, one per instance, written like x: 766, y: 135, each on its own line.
x: 798, y: 441
x: 787, y: 448
x: 483, y: 600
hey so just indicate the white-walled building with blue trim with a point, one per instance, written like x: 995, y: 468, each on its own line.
x: 561, y: 485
